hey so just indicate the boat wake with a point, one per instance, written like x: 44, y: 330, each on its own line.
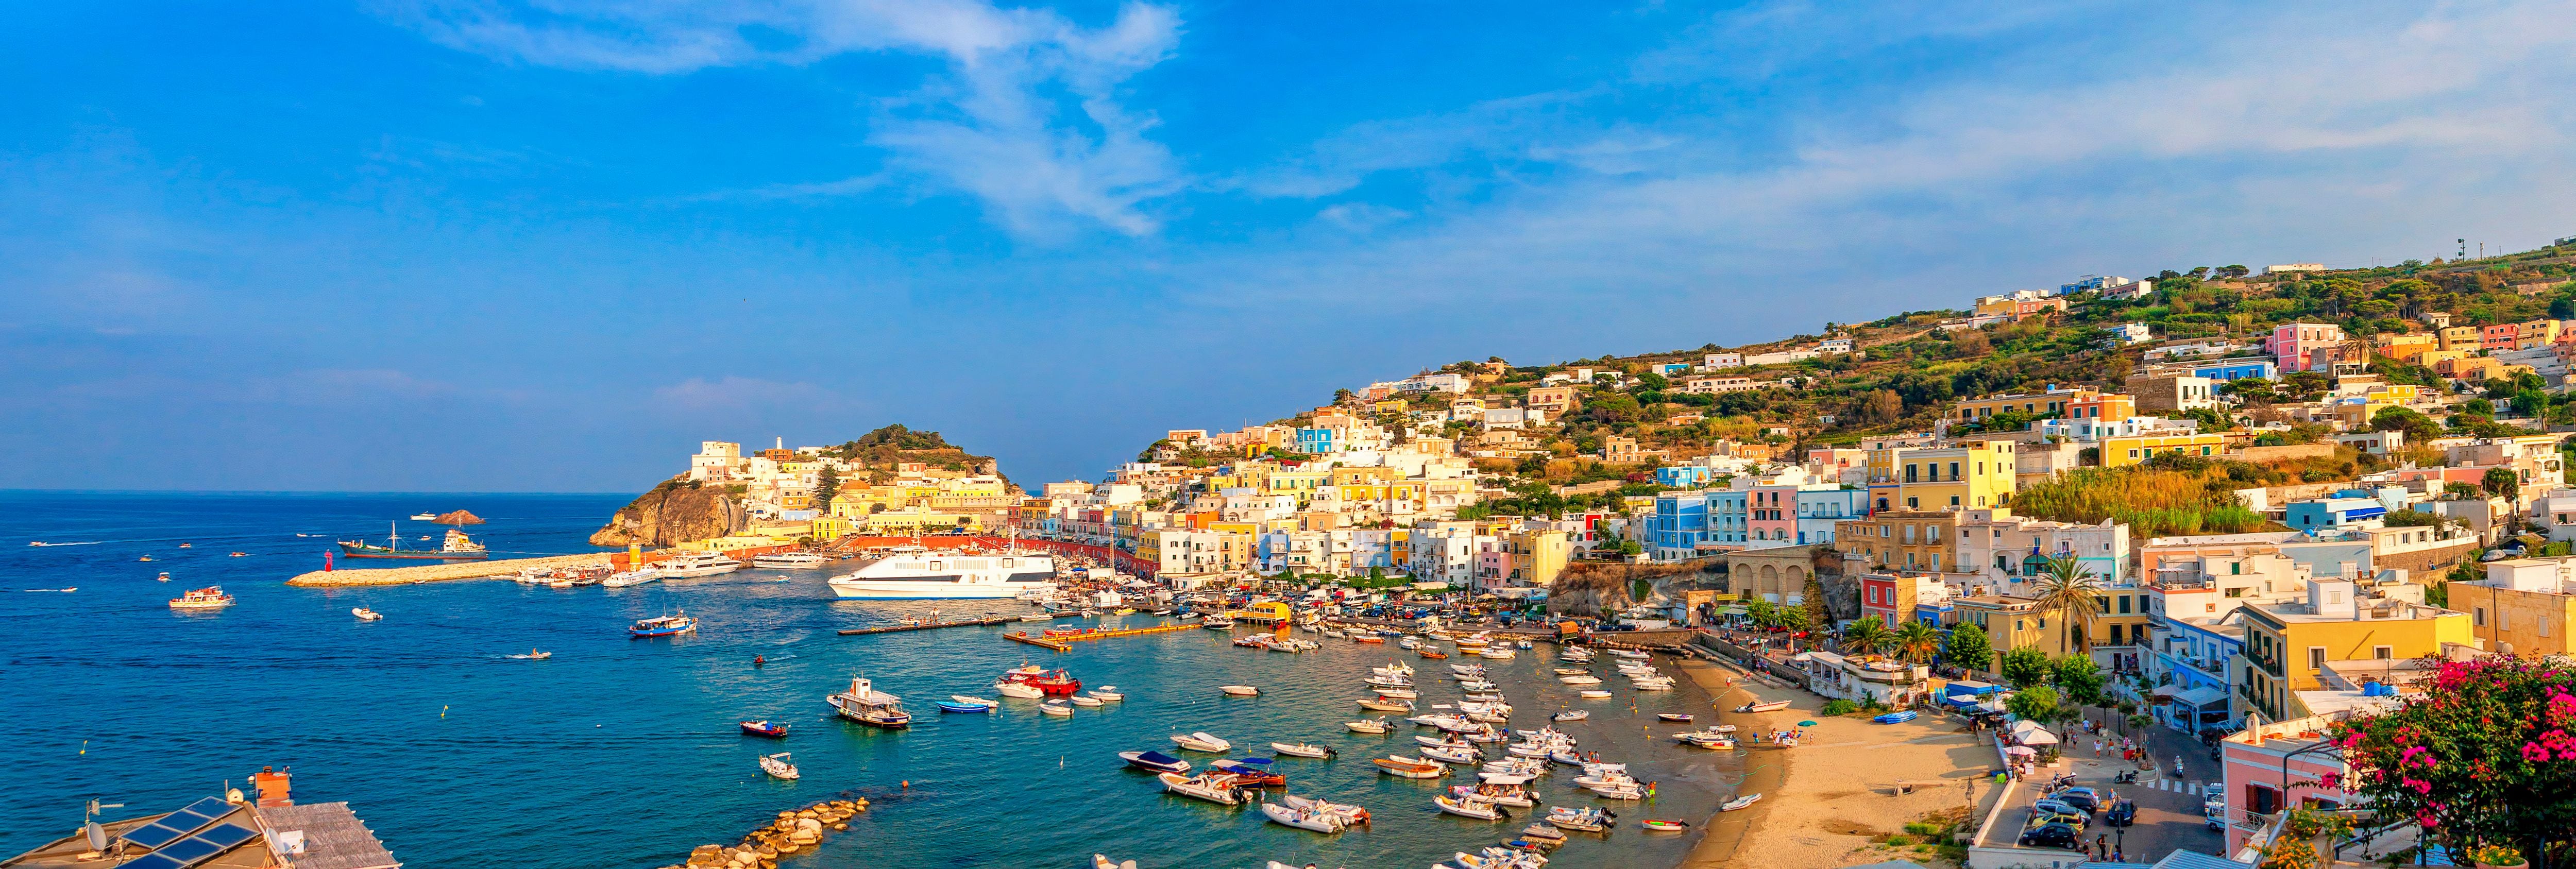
x: 63, y: 590
x: 78, y: 543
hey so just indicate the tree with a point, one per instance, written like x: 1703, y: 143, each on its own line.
x: 2501, y: 483
x: 2485, y: 756
x: 826, y: 485
x: 1869, y: 636
x: 1814, y: 597
x: 2035, y: 703
x: 2417, y: 427
x: 1917, y: 642
x: 2066, y: 588
x: 2080, y: 679
x: 2025, y: 667
x: 1968, y: 649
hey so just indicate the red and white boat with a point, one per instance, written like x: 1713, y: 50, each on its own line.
x: 1048, y: 682
x: 211, y: 597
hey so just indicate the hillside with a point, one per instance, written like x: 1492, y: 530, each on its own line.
x: 722, y: 494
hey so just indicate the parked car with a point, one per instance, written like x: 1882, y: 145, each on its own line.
x: 2084, y: 798
x: 2055, y: 804
x: 2045, y: 817
x: 2053, y: 836
x: 2122, y: 813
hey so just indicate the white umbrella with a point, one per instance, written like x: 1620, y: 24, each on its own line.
x: 2020, y: 749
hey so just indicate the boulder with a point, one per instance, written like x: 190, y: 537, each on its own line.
x: 460, y: 517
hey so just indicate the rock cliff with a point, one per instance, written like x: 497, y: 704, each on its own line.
x: 673, y: 512
x: 1595, y: 588
x: 460, y: 517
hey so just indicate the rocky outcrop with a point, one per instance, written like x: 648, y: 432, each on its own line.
x: 460, y: 517
x: 1599, y: 588
x: 674, y: 512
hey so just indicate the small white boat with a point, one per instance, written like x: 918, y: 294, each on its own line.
x: 1102, y: 862
x: 366, y: 615
x: 1079, y: 700
x: 1498, y: 653
x: 1371, y: 726
x: 1580, y: 679
x: 1482, y: 810
x: 627, y: 578
x: 1398, y: 693
x: 1631, y: 655
x: 1451, y: 755
x: 1239, y: 690
x: 1573, y: 715
x: 776, y: 766
x: 1201, y: 741
x: 1216, y: 788
x: 1350, y: 814
x: 1300, y: 749
x: 1408, y: 767
x: 1055, y: 708
x: 1595, y: 695
x: 1740, y: 802
x: 971, y: 700
x: 1566, y: 671
x: 1773, y: 706
x: 1653, y: 685
x: 1289, y: 817
x: 1022, y: 690
x: 1108, y: 692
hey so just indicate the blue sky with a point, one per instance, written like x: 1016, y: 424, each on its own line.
x: 549, y: 245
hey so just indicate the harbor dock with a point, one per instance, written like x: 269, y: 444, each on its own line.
x: 441, y: 572
x: 925, y: 626
x: 1064, y: 642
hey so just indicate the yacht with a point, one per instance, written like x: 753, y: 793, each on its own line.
x: 788, y: 561
x: 924, y: 575
x: 689, y: 564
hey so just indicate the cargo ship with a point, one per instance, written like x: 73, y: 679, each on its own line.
x: 457, y: 547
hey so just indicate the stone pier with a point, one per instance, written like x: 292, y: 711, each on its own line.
x: 441, y: 572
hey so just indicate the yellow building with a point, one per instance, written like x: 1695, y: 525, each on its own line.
x: 2011, y: 622
x: 2461, y: 338
x: 1536, y: 557
x: 2120, y: 452
x: 2525, y: 606
x: 2034, y: 404
x: 1975, y: 474
x: 828, y: 528
x: 1900, y: 539
x: 2287, y: 645
x: 915, y: 520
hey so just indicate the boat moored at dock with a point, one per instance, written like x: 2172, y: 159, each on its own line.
x: 789, y: 561
x: 925, y: 575
x: 688, y: 565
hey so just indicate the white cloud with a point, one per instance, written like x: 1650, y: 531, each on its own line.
x: 1027, y: 117
x: 736, y: 394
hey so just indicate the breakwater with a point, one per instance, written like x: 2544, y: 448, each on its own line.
x: 441, y: 572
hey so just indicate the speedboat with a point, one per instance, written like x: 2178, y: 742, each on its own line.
x: 1201, y: 741
x: 1659, y: 826
x: 972, y: 700
x: 1773, y: 706
x: 776, y: 766
x: 765, y: 728
x: 1300, y: 749
x: 663, y: 626
x: 1407, y: 767
x: 1213, y: 787
x: 1674, y: 716
x: 1079, y: 700
x: 1594, y: 695
x: 367, y: 615
x: 1740, y: 802
x: 1108, y: 692
x: 946, y: 706
x: 1056, y: 708
x: 1482, y: 810
x: 1239, y: 690
x: 1349, y: 814
x: 1369, y: 726
x: 1154, y: 760
x: 1289, y: 817
x: 1573, y: 715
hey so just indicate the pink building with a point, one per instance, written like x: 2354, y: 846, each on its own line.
x: 2271, y: 766
x: 2290, y: 342
x: 1772, y: 514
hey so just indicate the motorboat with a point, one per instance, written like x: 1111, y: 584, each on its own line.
x: 1515, y: 796
x: 765, y: 728
x: 1408, y: 643
x: 1660, y: 826
x: 1434, y: 654
x: 1475, y: 685
x: 776, y: 766
x: 949, y: 706
x: 1594, y: 695
x: 866, y: 705
x: 1629, y: 654
x: 1239, y: 690
x: 1218, y: 624
x: 1773, y: 706
x: 1047, y: 682
x: 1367, y: 638
x: 1572, y: 715
x: 1201, y: 741
x: 1080, y: 700
x: 1216, y: 788
x: 1250, y: 772
x: 1740, y: 802
x: 1350, y: 814
x: 1056, y: 708
x: 1373, y: 726
x: 532, y: 655
x: 1482, y: 810
x: 1398, y: 693
x: 1407, y: 767
x: 789, y: 561
x: 1300, y: 749
x: 1108, y: 692
x: 1580, y: 679
x: 211, y: 597
x: 1100, y: 861
x: 367, y: 615
x: 1565, y: 671
x: 1022, y: 690
x: 1543, y: 834
x: 1154, y: 760
x: 631, y: 577
x: 1386, y: 705
x: 1451, y: 755
x: 1498, y: 653
x: 972, y: 700
x: 687, y: 565
x: 1653, y: 685
x: 1704, y: 739
x: 1590, y: 819
x: 1290, y: 817
x: 663, y: 626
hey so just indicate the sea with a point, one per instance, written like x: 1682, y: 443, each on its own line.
x: 625, y: 752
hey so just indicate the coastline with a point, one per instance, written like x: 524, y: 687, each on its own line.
x: 438, y: 572
x: 1835, y: 803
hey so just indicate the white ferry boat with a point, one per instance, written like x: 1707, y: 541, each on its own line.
x: 923, y: 575
x: 788, y: 561
x: 689, y: 564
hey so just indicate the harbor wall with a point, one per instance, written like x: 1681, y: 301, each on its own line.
x: 440, y: 572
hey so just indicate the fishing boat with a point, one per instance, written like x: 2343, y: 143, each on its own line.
x: 367, y: 615
x: 1773, y: 706
x: 1216, y: 788
x: 1407, y: 767
x: 1482, y: 810
x: 1300, y: 749
x: 776, y: 766
x: 663, y: 626
x: 1573, y: 715
x: 1740, y: 802
x: 1350, y: 814
x: 457, y: 547
x: 951, y: 706
x: 1289, y: 817
x: 1201, y: 741
x: 1595, y: 694
x: 1154, y: 760
x: 866, y: 705
x: 1047, y: 682
x: 1056, y: 708
x: 789, y: 561
x: 1239, y: 690
x: 211, y: 597
x: 1660, y: 826
x: 765, y: 728
x: 1372, y: 726
x: 1674, y: 716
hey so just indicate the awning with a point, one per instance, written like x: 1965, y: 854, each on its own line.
x: 2030, y: 733
x: 2202, y: 697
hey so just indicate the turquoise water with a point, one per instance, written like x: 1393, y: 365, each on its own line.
x: 624, y: 752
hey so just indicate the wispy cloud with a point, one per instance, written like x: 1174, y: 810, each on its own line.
x: 739, y: 394
x: 1027, y: 116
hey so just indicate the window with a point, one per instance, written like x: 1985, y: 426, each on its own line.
x: 2382, y: 653
x: 2478, y: 616
x: 2124, y: 604
x: 2316, y: 657
x: 1954, y: 472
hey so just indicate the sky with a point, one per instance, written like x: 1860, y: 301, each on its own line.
x: 550, y: 245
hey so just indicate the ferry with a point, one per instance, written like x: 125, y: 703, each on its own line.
x: 664, y: 626
x: 866, y: 705
x: 689, y: 564
x: 424, y: 517
x: 924, y: 575
x: 211, y: 597
x: 457, y: 547
x: 788, y: 561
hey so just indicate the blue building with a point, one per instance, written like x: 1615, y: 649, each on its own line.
x: 2191, y: 667
x: 1318, y: 441
x: 2334, y: 512
x: 1678, y: 526
x: 2236, y: 369
x: 1683, y: 476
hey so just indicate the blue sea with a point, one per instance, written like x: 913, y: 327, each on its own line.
x: 624, y: 752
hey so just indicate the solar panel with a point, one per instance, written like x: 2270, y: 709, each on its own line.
x: 194, y: 849
x: 152, y: 861
x: 179, y: 823
x: 188, y: 851
x: 227, y: 835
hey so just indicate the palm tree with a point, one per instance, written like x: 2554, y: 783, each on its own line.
x: 2066, y: 588
x: 1869, y: 636
x: 1917, y: 642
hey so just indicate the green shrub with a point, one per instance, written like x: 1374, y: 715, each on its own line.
x: 1920, y: 828
x: 1840, y: 707
x: 1899, y: 841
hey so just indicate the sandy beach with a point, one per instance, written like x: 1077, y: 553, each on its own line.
x: 1830, y: 801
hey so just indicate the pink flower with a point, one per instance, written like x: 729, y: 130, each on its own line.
x: 2420, y: 786
x: 2531, y: 751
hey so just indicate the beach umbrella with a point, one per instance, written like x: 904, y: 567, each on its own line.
x: 1806, y: 724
